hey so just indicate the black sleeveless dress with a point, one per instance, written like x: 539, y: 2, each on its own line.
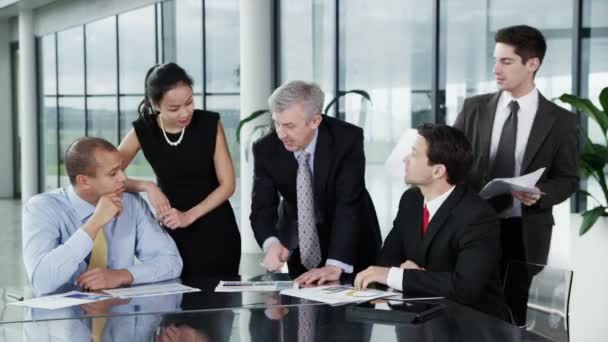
x: 210, y: 246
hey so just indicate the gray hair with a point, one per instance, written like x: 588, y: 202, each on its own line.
x: 309, y: 95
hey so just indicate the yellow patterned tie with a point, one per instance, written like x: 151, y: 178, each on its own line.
x: 99, y: 255
x: 99, y: 258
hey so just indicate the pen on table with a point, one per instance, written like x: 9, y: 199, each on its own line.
x: 14, y: 296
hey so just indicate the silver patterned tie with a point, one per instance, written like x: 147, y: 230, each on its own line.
x: 306, y: 323
x: 310, y: 251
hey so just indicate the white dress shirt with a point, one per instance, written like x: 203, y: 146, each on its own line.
x: 395, y: 274
x: 528, y: 106
x: 310, y: 149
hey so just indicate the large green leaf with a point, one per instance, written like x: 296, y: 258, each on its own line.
x: 588, y: 108
x: 251, y: 116
x: 341, y: 93
x: 604, y: 99
x: 590, y: 217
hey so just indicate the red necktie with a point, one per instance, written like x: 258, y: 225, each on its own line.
x: 425, y: 219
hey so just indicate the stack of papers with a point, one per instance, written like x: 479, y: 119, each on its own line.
x: 523, y: 183
x: 150, y: 290
x: 72, y: 298
x: 337, y: 294
x: 254, y: 286
x: 62, y: 300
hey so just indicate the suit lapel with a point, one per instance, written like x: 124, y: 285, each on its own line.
x: 543, y: 121
x: 486, y: 123
x: 288, y: 165
x: 413, y: 240
x: 322, y: 158
x: 438, y: 221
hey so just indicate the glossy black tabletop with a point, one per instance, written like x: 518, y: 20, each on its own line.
x: 250, y: 316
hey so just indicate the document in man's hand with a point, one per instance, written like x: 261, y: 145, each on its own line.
x: 523, y: 183
x: 150, y: 290
x: 62, y: 300
x: 254, y: 286
x: 336, y: 294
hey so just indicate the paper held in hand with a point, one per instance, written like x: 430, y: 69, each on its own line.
x: 337, y: 294
x: 523, y: 183
x: 255, y: 286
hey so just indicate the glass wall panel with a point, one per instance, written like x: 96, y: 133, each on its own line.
x: 307, y: 40
x: 50, y: 167
x: 49, y: 65
x: 189, y: 39
x: 101, y: 56
x: 139, y: 167
x: 229, y: 109
x: 70, y: 61
x: 222, y: 46
x: 395, y: 71
x: 71, y: 127
x: 137, y: 48
x: 102, y: 117
x: 595, y: 50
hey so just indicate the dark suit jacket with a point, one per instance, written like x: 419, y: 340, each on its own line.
x: 552, y: 144
x: 460, y: 250
x: 346, y: 219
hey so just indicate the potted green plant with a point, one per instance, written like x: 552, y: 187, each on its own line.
x: 593, y: 157
x: 266, y: 126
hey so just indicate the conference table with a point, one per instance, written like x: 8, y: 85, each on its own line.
x: 248, y: 316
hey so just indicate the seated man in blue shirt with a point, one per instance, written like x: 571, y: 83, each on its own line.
x: 60, y: 227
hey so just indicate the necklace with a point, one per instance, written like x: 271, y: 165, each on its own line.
x: 171, y: 143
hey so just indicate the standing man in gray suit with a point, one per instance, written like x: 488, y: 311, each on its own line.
x: 516, y: 131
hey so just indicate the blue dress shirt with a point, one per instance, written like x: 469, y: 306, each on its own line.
x: 56, y: 249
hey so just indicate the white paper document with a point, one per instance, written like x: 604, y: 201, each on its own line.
x: 63, y: 300
x: 253, y: 286
x: 523, y: 183
x: 337, y: 294
x: 150, y: 290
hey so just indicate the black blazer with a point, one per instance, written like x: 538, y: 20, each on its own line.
x: 460, y: 250
x: 346, y: 218
x: 551, y: 144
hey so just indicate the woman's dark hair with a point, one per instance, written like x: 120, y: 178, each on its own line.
x: 160, y: 79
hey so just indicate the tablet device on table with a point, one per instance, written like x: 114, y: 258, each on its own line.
x: 394, y: 312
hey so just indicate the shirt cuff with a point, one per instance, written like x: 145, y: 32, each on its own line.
x: 268, y: 242
x: 81, y: 244
x: 139, y: 274
x: 345, y: 267
x: 395, y: 278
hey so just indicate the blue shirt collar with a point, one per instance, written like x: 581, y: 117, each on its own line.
x: 310, y: 149
x: 82, y: 208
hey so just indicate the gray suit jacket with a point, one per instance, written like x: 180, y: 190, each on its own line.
x: 551, y: 144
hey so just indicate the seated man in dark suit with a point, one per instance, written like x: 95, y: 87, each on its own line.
x: 445, y: 239
x: 310, y: 207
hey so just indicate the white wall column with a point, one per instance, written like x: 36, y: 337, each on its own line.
x: 28, y: 106
x: 257, y: 65
x: 6, y: 129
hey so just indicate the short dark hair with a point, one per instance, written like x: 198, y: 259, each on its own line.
x: 160, y: 79
x: 450, y: 147
x: 527, y: 41
x: 80, y: 159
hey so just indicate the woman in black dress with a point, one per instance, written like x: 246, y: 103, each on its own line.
x: 188, y: 152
